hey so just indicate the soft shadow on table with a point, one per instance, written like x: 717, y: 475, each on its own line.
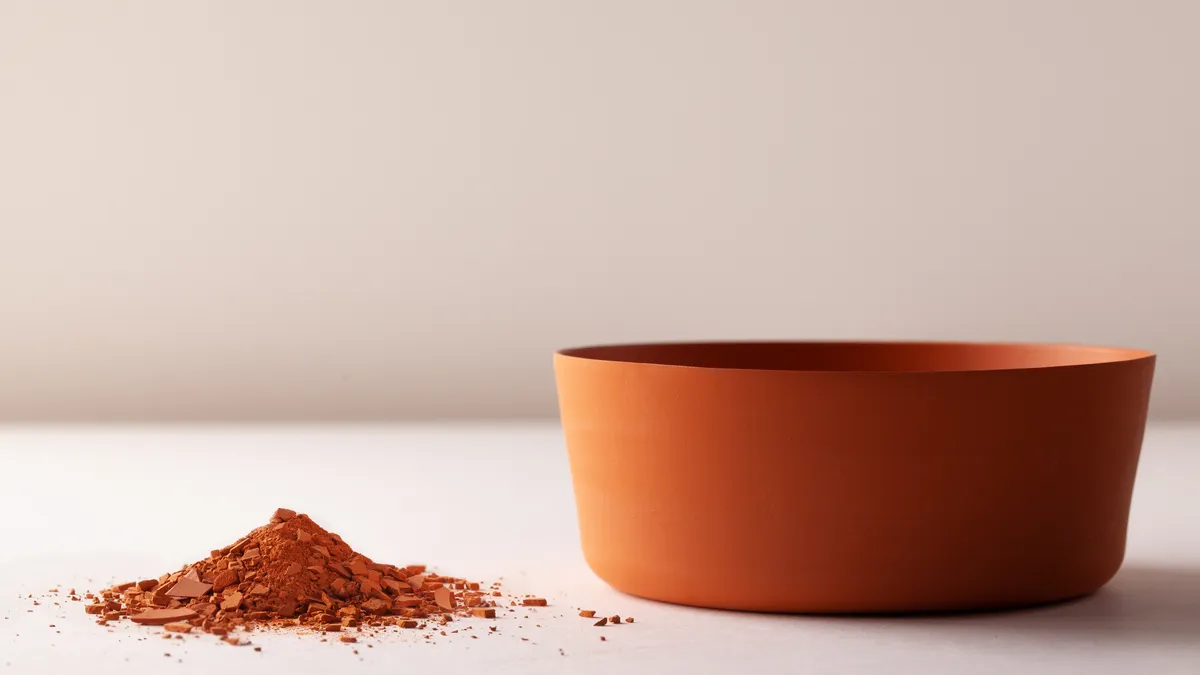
x: 1154, y: 606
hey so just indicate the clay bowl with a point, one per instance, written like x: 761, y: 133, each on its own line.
x: 854, y: 477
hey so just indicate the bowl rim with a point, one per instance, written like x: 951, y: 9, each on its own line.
x: 1106, y: 355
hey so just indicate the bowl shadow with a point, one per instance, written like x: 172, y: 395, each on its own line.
x: 1142, y: 605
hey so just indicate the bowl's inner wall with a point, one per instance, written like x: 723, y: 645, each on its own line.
x: 896, y: 357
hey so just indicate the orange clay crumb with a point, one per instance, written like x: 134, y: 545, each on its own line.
x: 587, y: 613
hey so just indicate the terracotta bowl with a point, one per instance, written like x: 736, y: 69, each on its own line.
x: 854, y: 477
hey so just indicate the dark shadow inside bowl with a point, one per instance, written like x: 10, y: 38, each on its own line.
x: 886, y: 357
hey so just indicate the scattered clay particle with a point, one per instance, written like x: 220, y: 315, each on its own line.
x: 603, y: 639
x: 614, y: 619
x: 348, y: 638
x: 602, y: 622
x: 587, y: 613
x: 629, y: 619
x: 534, y: 602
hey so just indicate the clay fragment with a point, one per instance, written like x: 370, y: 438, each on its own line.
x: 187, y: 588
x: 224, y: 580
x: 587, y: 613
x: 232, y: 600
x: 358, y: 567
x: 159, y: 617
x: 533, y: 602
x: 204, y: 609
x: 376, y: 606
x: 444, y: 598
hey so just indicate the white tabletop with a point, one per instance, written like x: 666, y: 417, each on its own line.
x: 120, y: 503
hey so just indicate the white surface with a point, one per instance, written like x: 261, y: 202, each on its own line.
x: 386, y: 209
x: 485, y: 502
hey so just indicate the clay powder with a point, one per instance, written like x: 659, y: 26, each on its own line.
x: 293, y: 574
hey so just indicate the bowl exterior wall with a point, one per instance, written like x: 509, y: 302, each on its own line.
x: 853, y: 492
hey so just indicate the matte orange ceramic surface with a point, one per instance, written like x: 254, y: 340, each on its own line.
x: 854, y: 477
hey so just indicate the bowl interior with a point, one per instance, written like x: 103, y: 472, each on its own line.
x: 886, y: 357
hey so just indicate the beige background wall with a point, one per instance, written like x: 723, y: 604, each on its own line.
x: 353, y: 209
